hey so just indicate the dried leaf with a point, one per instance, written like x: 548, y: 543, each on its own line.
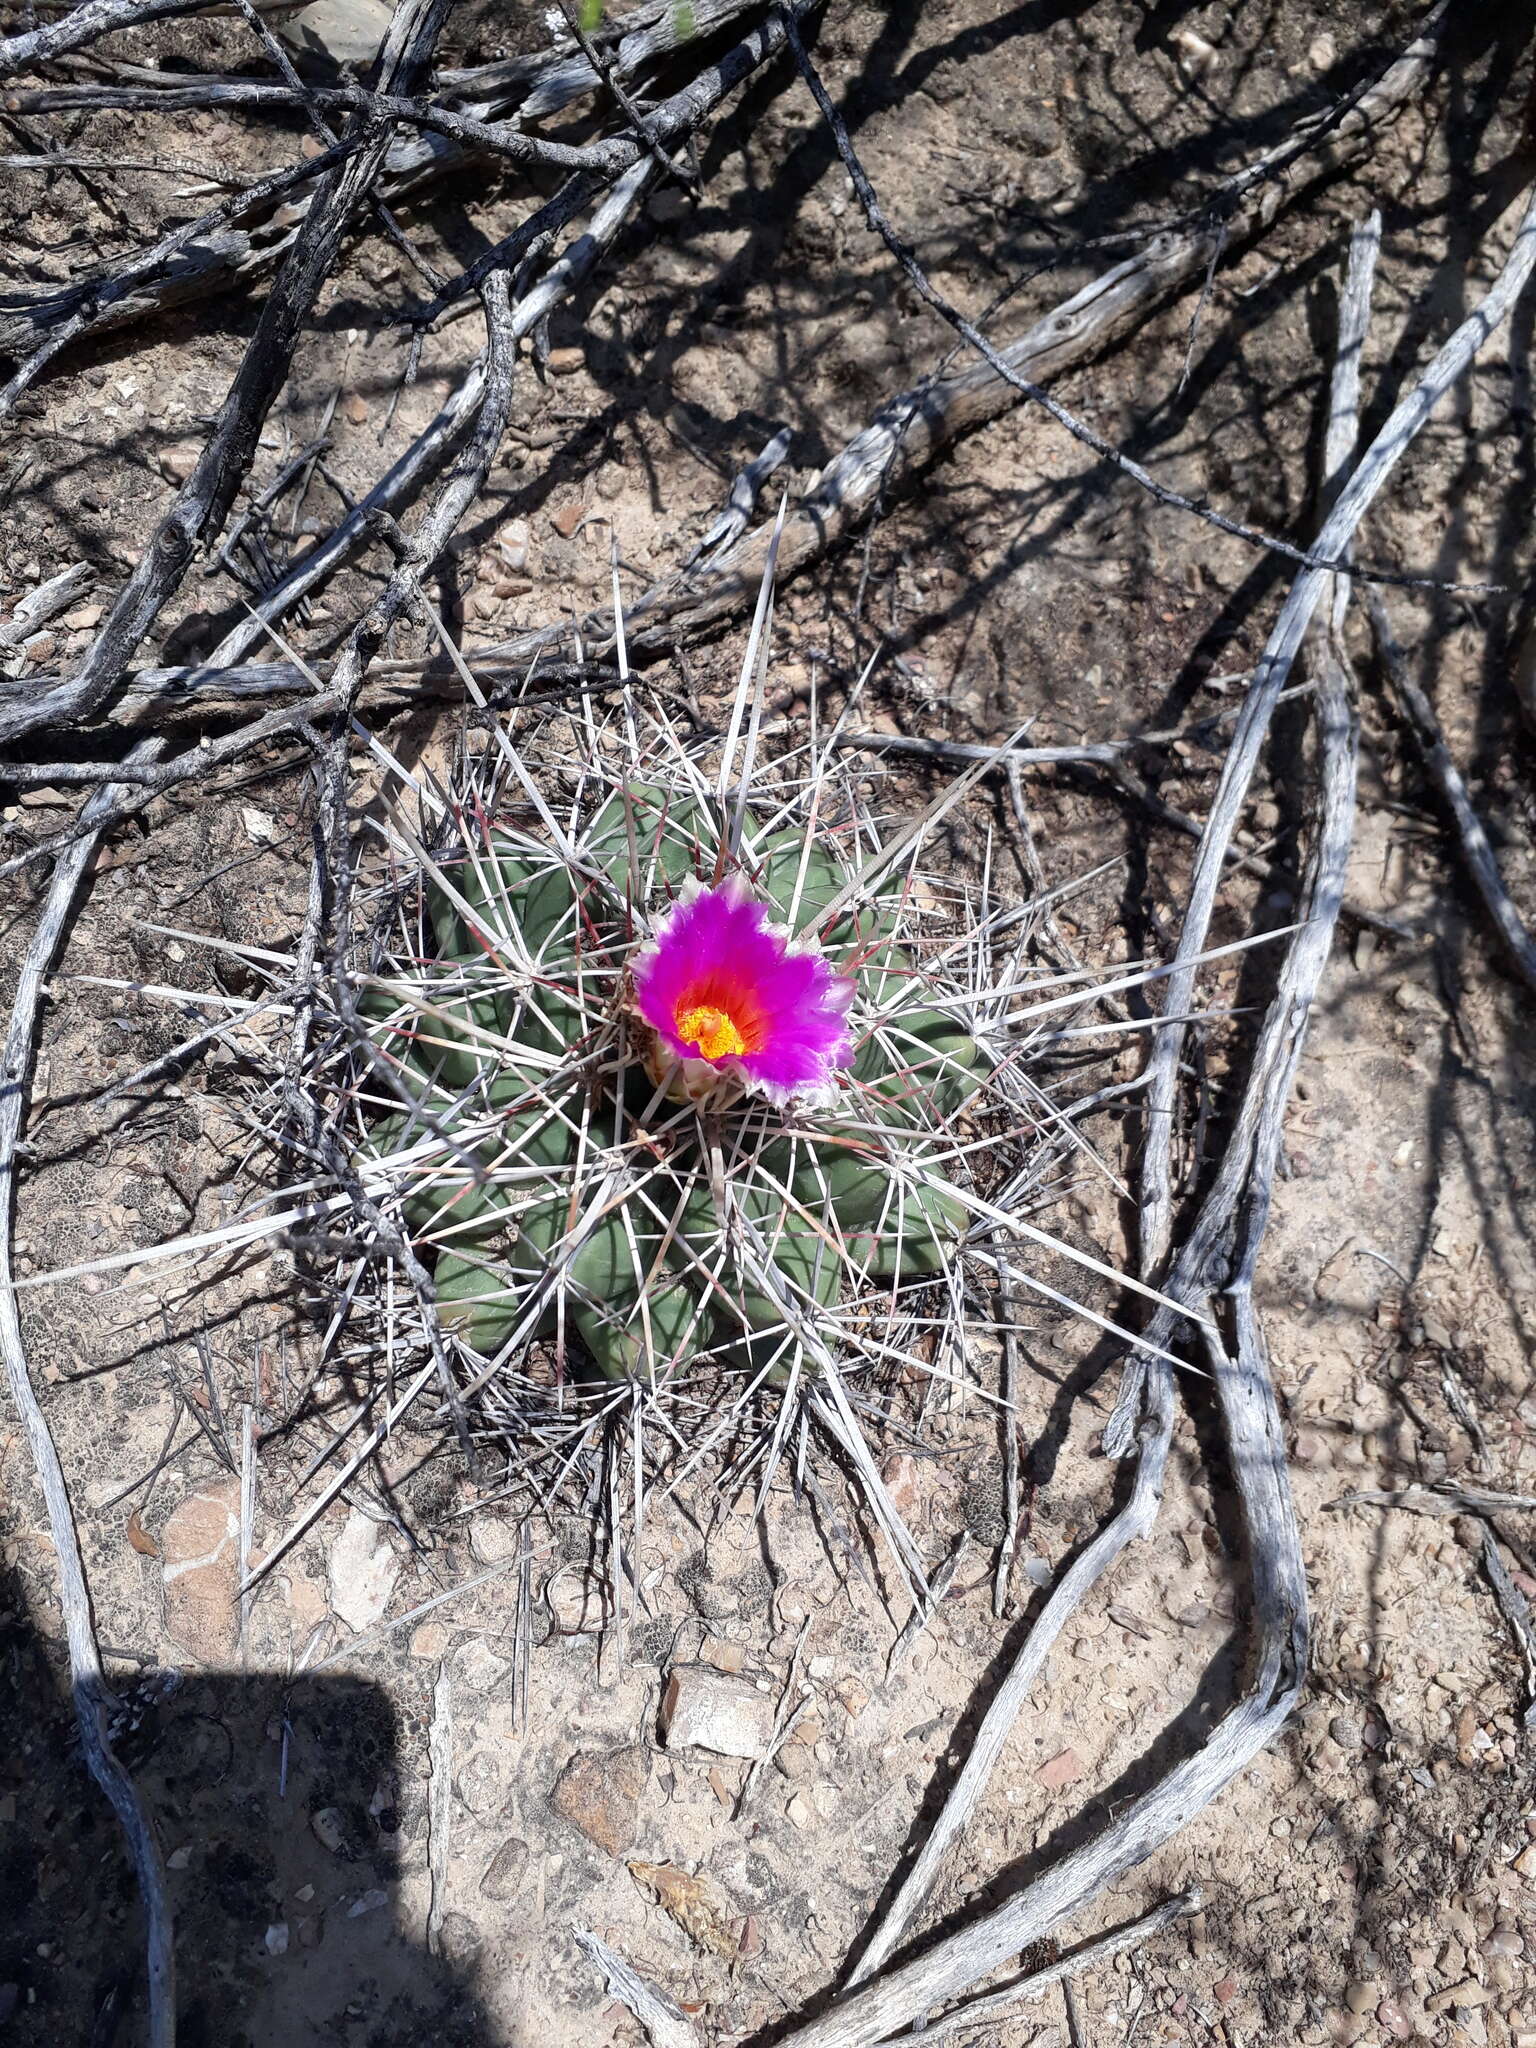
x: 698, y: 1906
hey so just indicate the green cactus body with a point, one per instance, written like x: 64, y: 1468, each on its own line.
x: 488, y: 1040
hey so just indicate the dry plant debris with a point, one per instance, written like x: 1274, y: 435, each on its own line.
x: 415, y: 643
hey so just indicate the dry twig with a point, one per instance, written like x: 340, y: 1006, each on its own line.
x: 1408, y: 417
x: 93, y: 1701
x: 910, y: 430
x: 204, y: 502
x: 1476, y: 852
x: 1220, y: 1253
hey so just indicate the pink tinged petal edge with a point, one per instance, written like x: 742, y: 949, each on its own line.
x: 715, y: 933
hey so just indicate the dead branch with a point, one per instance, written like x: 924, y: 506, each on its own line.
x: 92, y: 1696
x: 665, y: 2022
x: 162, y: 697
x: 34, y: 610
x: 1135, y: 1519
x: 1220, y: 1253
x: 439, y: 1805
x: 1003, y: 2004
x: 233, y: 242
x: 1407, y: 419
x: 1438, y: 761
x: 1516, y: 1610
x: 81, y: 25
x: 157, y: 167
x: 489, y: 138
x: 912, y: 428
x: 1442, y: 1499
x: 203, y: 504
x: 637, y: 40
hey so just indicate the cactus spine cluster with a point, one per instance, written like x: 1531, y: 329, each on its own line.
x: 552, y: 1180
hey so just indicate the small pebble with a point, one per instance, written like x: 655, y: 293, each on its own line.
x: 900, y: 1475
x: 1393, y: 2020
x: 1361, y: 1996
x: 179, y: 460
x: 512, y: 544
x: 1065, y: 1768
x: 704, y: 1709
x: 504, y: 1874
x: 1195, y: 54
x: 1468, y: 1993
x: 330, y: 1829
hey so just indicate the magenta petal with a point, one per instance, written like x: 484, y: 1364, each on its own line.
x: 769, y: 1011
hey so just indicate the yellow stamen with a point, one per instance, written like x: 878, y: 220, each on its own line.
x: 711, y: 1030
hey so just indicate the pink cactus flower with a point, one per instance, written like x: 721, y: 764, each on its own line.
x: 733, y: 1000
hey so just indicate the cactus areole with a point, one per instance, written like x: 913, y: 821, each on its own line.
x: 676, y: 1098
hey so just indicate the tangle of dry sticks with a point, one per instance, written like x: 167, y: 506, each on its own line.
x: 405, y: 130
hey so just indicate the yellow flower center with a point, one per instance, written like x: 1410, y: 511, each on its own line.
x: 713, y: 1031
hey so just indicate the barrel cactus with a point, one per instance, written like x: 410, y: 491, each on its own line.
x: 664, y: 1081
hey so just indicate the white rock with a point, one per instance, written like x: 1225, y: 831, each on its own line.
x: 200, y: 1559
x: 512, y: 545
x: 494, y: 1538
x: 261, y: 828
x: 329, y: 1826
x: 277, y: 1938
x: 337, y: 31
x: 477, y: 1666
x: 703, y: 1709
x: 363, y: 1570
